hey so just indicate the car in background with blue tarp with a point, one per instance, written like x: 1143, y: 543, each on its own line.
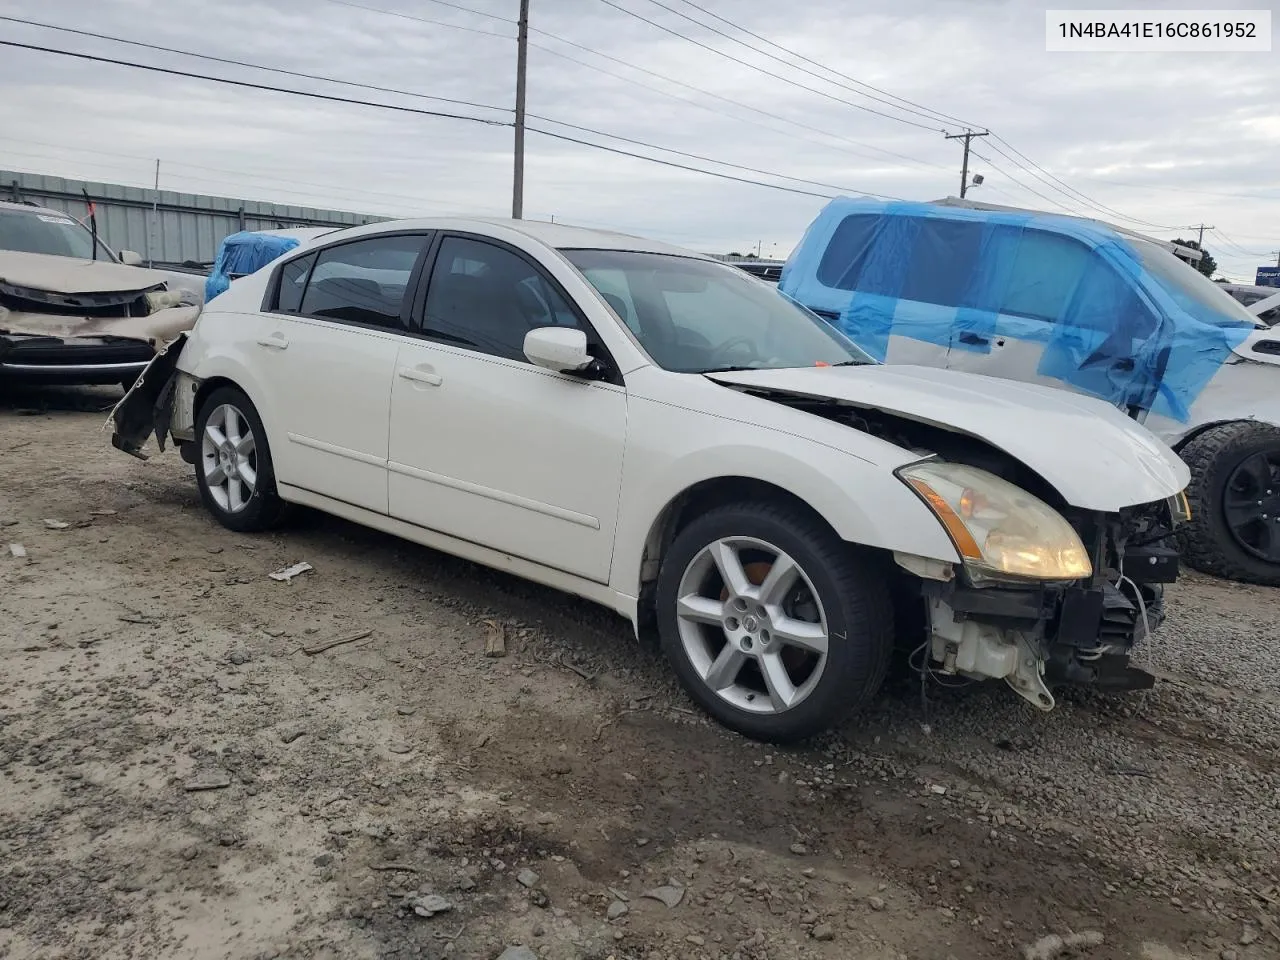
x: 1075, y: 304
x: 248, y: 251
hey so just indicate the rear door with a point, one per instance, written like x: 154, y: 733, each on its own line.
x: 328, y: 356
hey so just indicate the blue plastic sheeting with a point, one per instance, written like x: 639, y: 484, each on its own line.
x: 244, y: 253
x: 1133, y: 331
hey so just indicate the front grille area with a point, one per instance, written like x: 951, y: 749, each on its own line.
x: 52, y: 352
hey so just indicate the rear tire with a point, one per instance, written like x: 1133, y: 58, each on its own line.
x: 1235, y: 502
x: 748, y: 646
x: 233, y: 463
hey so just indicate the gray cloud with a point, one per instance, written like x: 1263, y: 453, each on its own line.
x: 1164, y: 138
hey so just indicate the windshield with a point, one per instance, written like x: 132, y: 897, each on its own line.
x: 47, y: 232
x: 1194, y: 292
x: 697, y: 316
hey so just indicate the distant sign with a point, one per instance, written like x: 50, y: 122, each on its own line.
x: 1268, y: 277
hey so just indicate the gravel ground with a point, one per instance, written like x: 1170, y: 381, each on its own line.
x: 180, y: 778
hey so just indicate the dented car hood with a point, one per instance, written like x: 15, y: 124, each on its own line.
x: 71, y: 275
x: 1092, y: 454
x: 32, y: 282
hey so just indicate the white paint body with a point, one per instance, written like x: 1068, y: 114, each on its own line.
x: 562, y: 480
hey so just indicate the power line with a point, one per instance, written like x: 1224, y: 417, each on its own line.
x: 1023, y: 185
x: 442, y: 23
x: 767, y: 73
x: 395, y: 107
x: 253, y: 86
x: 1188, y: 190
x: 845, y: 76
x: 678, y: 166
x: 1064, y: 188
x: 786, y: 63
x: 708, y: 93
x: 252, y: 66
x: 695, y: 156
x: 1231, y: 243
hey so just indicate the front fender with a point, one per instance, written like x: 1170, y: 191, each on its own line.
x: 671, y: 450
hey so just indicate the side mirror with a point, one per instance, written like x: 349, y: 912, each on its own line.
x: 131, y: 258
x: 562, y: 349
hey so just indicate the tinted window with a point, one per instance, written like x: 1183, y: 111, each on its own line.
x: 364, y: 281
x: 486, y: 297
x: 293, y: 278
x: 846, y: 252
x: 1046, y: 270
x: 943, y: 261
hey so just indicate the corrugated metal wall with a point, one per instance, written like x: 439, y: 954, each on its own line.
x: 187, y: 227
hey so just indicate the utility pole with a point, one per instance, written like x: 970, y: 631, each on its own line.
x: 155, y: 205
x: 1200, y: 239
x: 967, y: 136
x: 522, y: 57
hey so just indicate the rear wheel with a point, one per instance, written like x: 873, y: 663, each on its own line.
x: 1235, y: 502
x: 775, y: 626
x: 233, y: 465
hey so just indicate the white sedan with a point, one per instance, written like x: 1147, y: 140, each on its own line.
x: 664, y: 434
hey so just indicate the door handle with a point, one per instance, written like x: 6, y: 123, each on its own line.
x: 974, y: 340
x: 420, y: 375
x: 276, y: 341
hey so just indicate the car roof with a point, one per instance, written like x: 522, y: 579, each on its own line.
x: 559, y: 236
x: 31, y: 208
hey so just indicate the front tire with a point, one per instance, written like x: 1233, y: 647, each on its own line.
x: 774, y: 625
x: 233, y: 463
x: 1234, y: 530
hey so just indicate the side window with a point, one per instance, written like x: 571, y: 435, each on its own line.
x: 485, y: 297
x: 944, y: 261
x: 1107, y: 303
x: 847, y: 251
x: 1046, y: 271
x: 293, y: 278
x: 363, y: 281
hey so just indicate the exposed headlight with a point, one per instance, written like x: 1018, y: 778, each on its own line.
x: 998, y: 528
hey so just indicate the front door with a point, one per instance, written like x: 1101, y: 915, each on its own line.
x: 487, y: 447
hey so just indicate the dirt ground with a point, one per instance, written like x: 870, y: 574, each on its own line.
x: 181, y: 778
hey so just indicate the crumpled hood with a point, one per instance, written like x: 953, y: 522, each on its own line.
x: 1092, y: 454
x: 70, y: 275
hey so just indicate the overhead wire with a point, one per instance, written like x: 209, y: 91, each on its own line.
x: 443, y: 23
x: 400, y: 108
x: 1055, y: 183
x: 696, y: 156
x: 253, y: 66
x: 829, y: 69
x: 759, y: 69
x: 250, y: 85
x: 716, y: 96
x: 930, y: 115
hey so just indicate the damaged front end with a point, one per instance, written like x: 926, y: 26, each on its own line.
x: 147, y: 407
x: 1037, y: 635
x: 72, y: 321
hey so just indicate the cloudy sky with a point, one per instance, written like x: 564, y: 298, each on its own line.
x: 1164, y: 139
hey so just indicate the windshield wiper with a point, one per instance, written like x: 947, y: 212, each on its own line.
x: 730, y: 369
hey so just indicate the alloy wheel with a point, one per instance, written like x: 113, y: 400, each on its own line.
x: 229, y: 458
x: 752, y: 625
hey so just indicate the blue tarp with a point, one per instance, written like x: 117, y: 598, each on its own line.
x: 244, y: 253
x: 1134, y: 332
